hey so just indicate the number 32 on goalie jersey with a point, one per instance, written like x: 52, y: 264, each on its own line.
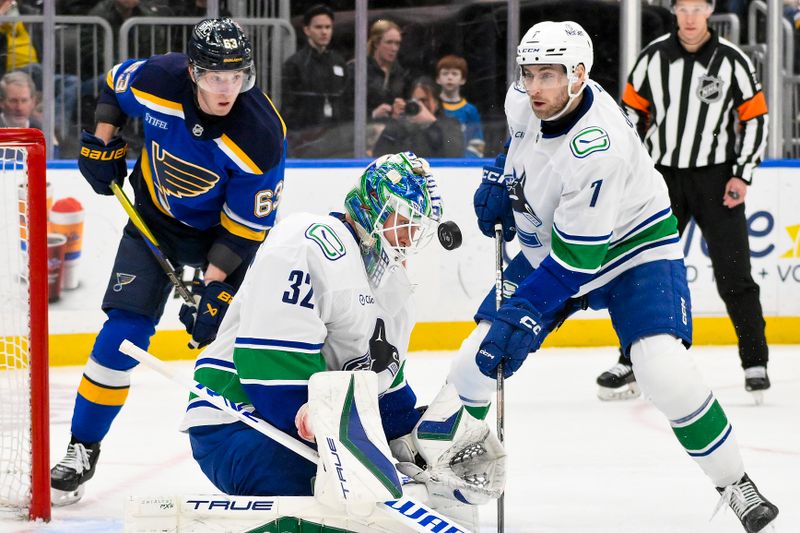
x: 300, y: 289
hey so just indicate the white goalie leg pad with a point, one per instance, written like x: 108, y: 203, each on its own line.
x: 356, y: 467
x: 475, y: 389
x: 465, y: 460
x: 670, y: 380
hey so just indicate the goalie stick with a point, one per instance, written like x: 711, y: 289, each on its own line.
x: 413, y: 514
x: 498, y: 297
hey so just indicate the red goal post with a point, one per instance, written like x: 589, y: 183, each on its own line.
x: 24, y: 391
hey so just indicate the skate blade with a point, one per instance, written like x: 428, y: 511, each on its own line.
x: 758, y: 398
x: 60, y: 498
x: 629, y: 391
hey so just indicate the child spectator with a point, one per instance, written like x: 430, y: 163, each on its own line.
x: 451, y: 75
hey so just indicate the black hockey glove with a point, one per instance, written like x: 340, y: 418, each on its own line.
x: 101, y: 164
x: 203, y: 321
x: 492, y: 203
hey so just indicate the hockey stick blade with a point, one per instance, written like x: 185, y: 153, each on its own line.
x: 407, y: 511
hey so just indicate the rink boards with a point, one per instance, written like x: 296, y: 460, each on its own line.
x: 450, y: 284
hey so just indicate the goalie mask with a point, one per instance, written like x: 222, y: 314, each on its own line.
x: 221, y: 57
x: 399, y: 189
x: 555, y: 43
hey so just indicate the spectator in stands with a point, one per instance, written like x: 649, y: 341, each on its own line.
x: 196, y: 8
x: 386, y: 78
x: 75, y: 7
x: 17, y: 49
x: 118, y: 11
x: 18, y: 101
x: 451, y: 75
x: 314, y: 80
x: 423, y: 128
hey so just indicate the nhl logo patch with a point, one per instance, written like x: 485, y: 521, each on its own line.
x: 709, y: 88
x: 197, y: 130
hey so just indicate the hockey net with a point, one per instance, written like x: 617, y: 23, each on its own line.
x: 24, y: 417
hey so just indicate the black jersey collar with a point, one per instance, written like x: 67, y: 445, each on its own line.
x: 556, y: 128
x: 703, y: 55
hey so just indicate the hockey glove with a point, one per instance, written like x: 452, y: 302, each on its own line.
x: 492, y: 203
x: 516, y: 331
x: 454, y: 454
x: 203, y: 321
x: 101, y: 164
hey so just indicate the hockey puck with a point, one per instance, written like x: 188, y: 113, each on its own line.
x: 449, y: 235
x: 733, y: 194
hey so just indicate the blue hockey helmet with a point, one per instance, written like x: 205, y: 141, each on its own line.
x: 220, y: 44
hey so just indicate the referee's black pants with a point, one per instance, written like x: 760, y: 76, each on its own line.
x: 698, y: 193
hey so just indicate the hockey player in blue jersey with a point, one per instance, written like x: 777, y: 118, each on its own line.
x: 593, y: 219
x: 207, y: 182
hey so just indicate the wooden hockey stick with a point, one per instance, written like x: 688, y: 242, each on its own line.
x: 498, y: 298
x: 152, y: 243
x: 404, y: 510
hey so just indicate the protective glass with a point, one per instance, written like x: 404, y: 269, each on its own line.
x: 529, y: 80
x: 225, y: 81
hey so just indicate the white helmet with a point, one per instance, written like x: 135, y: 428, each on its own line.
x: 559, y: 43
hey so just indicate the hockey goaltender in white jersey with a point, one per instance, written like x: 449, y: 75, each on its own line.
x: 594, y: 222
x: 315, y: 343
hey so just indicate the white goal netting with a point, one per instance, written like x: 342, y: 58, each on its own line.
x: 15, y: 383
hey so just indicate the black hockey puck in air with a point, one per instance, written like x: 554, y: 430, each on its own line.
x: 449, y: 235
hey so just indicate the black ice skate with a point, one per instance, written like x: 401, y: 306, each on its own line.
x: 753, y: 510
x: 618, y: 383
x: 756, y: 381
x: 69, y: 475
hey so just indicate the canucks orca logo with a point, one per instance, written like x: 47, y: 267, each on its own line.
x: 382, y: 354
x: 516, y: 191
x: 179, y: 178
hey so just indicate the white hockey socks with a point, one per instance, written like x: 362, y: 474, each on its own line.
x: 475, y: 389
x: 669, y: 379
x: 355, y: 467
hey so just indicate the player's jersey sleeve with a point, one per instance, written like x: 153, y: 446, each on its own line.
x: 751, y: 109
x: 135, y: 84
x: 583, y: 225
x: 637, y: 96
x: 397, y: 407
x: 255, y: 144
x: 279, y: 340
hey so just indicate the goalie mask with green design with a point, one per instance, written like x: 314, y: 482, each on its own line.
x: 396, y: 208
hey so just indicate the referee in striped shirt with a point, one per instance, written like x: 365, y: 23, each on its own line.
x: 697, y: 104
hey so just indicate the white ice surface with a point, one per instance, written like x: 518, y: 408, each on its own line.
x: 577, y: 465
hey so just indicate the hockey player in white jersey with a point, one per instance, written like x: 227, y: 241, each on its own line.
x: 329, y: 293
x: 593, y: 220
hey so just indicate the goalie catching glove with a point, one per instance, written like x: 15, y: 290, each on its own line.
x: 454, y: 454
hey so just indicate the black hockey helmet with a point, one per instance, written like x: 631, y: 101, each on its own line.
x: 220, y: 44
